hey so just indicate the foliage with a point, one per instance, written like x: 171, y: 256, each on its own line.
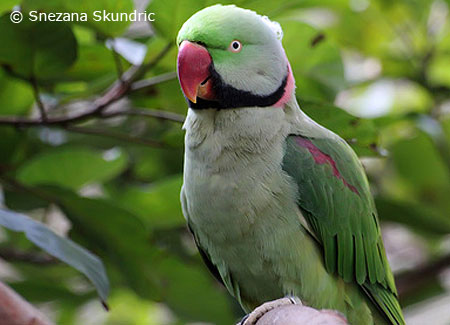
x: 90, y: 139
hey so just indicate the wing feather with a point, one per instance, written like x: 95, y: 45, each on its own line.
x: 360, y: 262
x: 334, y: 196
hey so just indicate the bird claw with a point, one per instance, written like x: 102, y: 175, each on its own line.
x: 258, y: 312
x: 243, y: 320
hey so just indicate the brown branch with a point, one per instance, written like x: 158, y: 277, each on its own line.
x: 409, y: 281
x: 301, y: 315
x: 37, y: 97
x: 148, y: 66
x: 14, y: 255
x: 145, y: 112
x: 116, y: 135
x: 117, y: 91
x: 13, y: 184
x: 14, y: 310
x: 63, y: 122
x: 140, y: 84
x: 117, y: 62
x: 290, y: 310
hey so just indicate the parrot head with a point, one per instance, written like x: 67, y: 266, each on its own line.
x: 231, y: 57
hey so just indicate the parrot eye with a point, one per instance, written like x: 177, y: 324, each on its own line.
x: 235, y: 46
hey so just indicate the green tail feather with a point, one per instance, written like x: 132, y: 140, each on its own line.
x: 386, y: 301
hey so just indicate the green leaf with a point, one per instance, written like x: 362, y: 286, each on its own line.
x: 94, y: 61
x: 72, y: 167
x: 188, y: 280
x: 386, y: 97
x: 93, y: 9
x: 158, y: 204
x: 360, y: 133
x: 121, y: 237
x: 419, y: 217
x: 318, y: 68
x: 418, y: 162
x: 16, y: 96
x: 33, y: 49
x: 170, y: 15
x: 446, y: 127
x: 43, y: 287
x: 427, y: 289
x: 22, y: 201
x: 59, y: 247
x: 8, y: 5
x: 129, y: 308
x: 11, y: 146
x: 439, y: 70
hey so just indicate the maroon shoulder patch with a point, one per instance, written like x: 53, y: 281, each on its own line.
x: 322, y: 158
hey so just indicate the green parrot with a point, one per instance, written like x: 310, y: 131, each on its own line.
x: 278, y: 205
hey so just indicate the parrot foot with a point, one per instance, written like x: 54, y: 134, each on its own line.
x: 258, y: 312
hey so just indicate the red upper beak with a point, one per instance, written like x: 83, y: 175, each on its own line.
x: 193, y: 71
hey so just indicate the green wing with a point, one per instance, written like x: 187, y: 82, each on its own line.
x: 334, y: 197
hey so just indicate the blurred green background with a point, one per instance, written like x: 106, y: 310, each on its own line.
x: 91, y: 145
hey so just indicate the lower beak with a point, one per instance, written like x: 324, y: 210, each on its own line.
x: 193, y: 65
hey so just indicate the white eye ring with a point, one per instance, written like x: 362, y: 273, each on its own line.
x: 235, y: 46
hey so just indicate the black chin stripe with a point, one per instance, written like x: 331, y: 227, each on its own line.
x: 230, y: 97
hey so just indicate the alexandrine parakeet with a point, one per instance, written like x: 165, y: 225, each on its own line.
x: 278, y: 205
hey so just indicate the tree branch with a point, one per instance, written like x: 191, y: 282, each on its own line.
x: 37, y: 97
x: 64, y: 121
x: 117, y: 62
x: 301, y: 315
x: 115, y: 135
x: 14, y: 255
x: 140, y: 84
x: 14, y: 310
x: 409, y: 281
x: 152, y: 113
x: 117, y: 91
x: 290, y: 310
